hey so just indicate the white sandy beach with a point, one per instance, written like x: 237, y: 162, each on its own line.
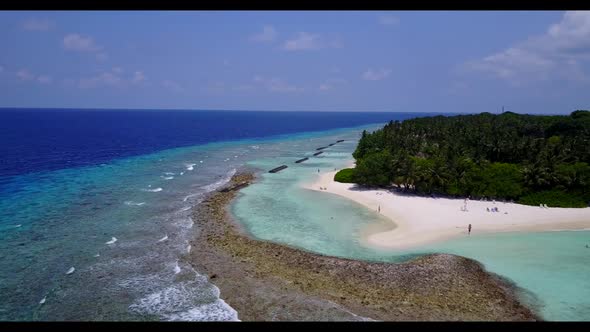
x: 424, y: 220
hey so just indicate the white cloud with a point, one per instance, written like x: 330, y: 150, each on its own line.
x: 35, y: 24
x: 276, y: 84
x: 112, y: 78
x: 44, y: 79
x: 138, y: 77
x: 268, y: 34
x: 309, y: 41
x: 556, y: 53
x: 376, y: 75
x: 388, y: 20
x: 79, y: 43
x: 24, y: 75
x: 103, y: 79
x: 331, y: 83
x: 172, y: 86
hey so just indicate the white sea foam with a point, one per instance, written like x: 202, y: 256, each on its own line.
x: 97, y: 255
x: 190, y: 167
x: 176, y: 268
x: 132, y: 203
x: 169, y: 173
x: 154, y: 190
x: 186, y: 208
x: 216, y: 311
x: 43, y: 300
x: 167, y: 177
x: 200, y: 161
x: 189, y: 196
x: 182, y: 297
x: 181, y: 173
x: 188, y: 249
x: 71, y: 270
x: 113, y: 240
x: 164, y: 238
x: 186, y: 223
x: 215, y: 185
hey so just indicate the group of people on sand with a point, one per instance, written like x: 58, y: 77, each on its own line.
x: 544, y: 206
x: 323, y: 188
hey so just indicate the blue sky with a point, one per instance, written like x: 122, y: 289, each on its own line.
x: 408, y: 61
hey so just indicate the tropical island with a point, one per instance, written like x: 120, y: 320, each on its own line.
x: 528, y: 159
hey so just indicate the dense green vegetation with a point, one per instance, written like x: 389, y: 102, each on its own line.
x: 344, y: 175
x: 531, y: 159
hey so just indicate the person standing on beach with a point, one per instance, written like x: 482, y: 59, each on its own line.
x: 379, y: 208
x: 469, y: 230
x: 318, y: 170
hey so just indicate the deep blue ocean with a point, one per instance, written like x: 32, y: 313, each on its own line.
x: 95, y: 204
x: 50, y: 139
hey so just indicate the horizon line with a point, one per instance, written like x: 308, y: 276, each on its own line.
x: 252, y: 110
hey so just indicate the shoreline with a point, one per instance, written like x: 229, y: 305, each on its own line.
x: 419, y: 221
x: 265, y: 281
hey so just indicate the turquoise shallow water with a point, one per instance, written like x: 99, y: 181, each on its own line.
x: 552, y: 268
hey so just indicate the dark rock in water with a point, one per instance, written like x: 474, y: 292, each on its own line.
x: 278, y: 169
x: 213, y: 276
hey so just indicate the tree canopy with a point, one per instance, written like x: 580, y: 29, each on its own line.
x: 532, y: 159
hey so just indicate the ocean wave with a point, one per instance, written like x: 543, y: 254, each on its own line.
x: 113, y: 240
x: 153, y: 190
x: 190, y: 167
x: 176, y: 268
x: 194, y: 300
x: 189, y: 196
x: 216, y: 311
x: 132, y: 203
x: 164, y: 238
x: 169, y: 173
x: 215, y: 185
x: 167, y: 177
